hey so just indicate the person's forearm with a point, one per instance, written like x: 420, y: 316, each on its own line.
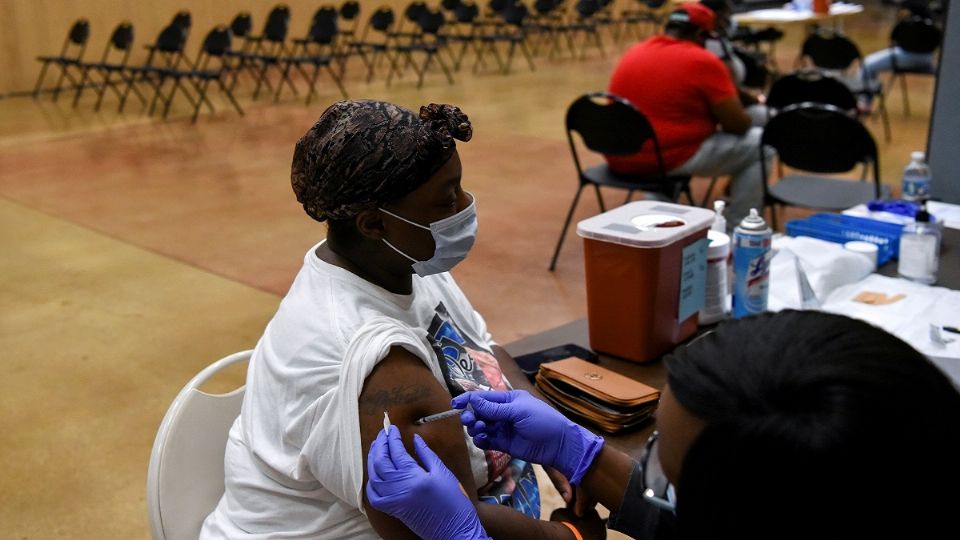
x: 608, y: 477
x: 512, y: 371
x: 504, y: 522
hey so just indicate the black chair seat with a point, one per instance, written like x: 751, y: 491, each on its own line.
x: 603, y: 175
x: 822, y: 193
x: 317, y: 60
x: 59, y: 60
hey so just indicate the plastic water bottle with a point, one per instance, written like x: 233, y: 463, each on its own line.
x: 751, y: 265
x: 916, y: 178
x: 920, y: 249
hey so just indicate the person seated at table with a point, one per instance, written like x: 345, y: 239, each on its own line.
x: 882, y: 61
x: 790, y: 425
x: 736, y: 60
x: 373, y: 324
x: 685, y: 92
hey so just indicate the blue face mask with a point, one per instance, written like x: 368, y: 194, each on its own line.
x: 452, y: 236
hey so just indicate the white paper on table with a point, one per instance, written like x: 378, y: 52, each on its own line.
x: 826, y: 264
x: 910, y: 318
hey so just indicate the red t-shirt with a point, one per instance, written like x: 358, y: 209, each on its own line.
x: 672, y: 82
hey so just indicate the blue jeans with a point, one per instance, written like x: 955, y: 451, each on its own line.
x: 881, y: 61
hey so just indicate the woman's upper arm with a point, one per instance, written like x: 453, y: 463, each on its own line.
x: 402, y: 386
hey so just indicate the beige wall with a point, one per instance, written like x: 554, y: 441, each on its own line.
x: 38, y: 27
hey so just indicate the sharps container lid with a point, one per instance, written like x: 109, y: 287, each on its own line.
x: 646, y: 224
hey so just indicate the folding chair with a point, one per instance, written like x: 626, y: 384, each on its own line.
x: 820, y: 139
x: 610, y: 125
x: 463, y: 31
x: 166, y: 53
x: 915, y: 35
x: 71, y: 54
x: 513, y: 32
x: 838, y: 55
x: 268, y: 48
x: 379, y: 24
x: 120, y: 45
x: 185, y: 476
x: 585, y: 22
x: 317, y: 49
x: 350, y: 13
x: 428, y: 41
x: 211, y: 66
x: 647, y: 12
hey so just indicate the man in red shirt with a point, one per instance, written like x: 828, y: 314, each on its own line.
x: 686, y: 92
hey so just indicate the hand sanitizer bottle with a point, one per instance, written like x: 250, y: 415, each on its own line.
x: 920, y: 249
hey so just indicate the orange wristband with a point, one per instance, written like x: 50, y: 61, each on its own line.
x: 576, y: 533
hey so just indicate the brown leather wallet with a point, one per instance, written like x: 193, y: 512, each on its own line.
x: 605, y: 398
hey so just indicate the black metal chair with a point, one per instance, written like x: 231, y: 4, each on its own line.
x: 428, y: 41
x: 71, y: 54
x: 810, y: 86
x: 349, y: 12
x: 165, y: 54
x: 513, y: 33
x: 820, y: 139
x: 211, y: 66
x: 112, y: 62
x: 836, y: 53
x: 915, y: 35
x: 611, y: 125
x: 318, y: 49
x: 374, y: 43
x: 266, y: 49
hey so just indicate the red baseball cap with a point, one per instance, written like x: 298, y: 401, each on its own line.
x: 695, y: 14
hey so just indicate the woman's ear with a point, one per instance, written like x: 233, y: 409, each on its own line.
x: 370, y: 223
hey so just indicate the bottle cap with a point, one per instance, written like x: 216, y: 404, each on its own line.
x: 917, y: 155
x: 753, y: 222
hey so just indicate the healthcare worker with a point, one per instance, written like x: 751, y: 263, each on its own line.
x: 792, y: 425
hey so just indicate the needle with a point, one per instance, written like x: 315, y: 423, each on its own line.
x: 438, y: 416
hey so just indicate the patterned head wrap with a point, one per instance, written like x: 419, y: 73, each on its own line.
x: 363, y: 153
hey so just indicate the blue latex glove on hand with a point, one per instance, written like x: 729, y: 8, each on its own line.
x: 428, y: 500
x: 521, y: 425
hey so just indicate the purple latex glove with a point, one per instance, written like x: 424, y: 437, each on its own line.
x: 428, y: 500
x: 521, y: 425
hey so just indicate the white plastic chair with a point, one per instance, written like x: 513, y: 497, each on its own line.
x: 185, y: 477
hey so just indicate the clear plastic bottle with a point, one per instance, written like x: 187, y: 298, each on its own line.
x: 916, y: 178
x: 920, y: 249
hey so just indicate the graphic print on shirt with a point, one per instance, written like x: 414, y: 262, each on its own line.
x: 466, y: 366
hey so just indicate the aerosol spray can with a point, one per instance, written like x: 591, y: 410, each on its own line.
x: 751, y: 265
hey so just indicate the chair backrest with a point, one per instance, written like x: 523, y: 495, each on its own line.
x: 916, y: 35
x: 515, y: 14
x: 349, y: 10
x: 820, y: 138
x: 77, y: 38
x: 278, y: 24
x: 172, y: 39
x: 810, y: 86
x: 611, y: 125
x: 830, y: 50
x: 79, y: 32
x: 185, y: 475
x: 242, y: 24
x: 467, y: 12
x: 183, y: 20
x: 217, y: 42
x: 450, y: 5
x: 120, y: 40
x: 430, y: 21
x: 587, y: 8
x: 382, y: 19
x: 323, y: 29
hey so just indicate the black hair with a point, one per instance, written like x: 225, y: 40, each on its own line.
x: 816, y: 426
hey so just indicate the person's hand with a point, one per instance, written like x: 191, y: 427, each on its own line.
x: 560, y: 482
x: 428, y: 500
x: 521, y: 425
x: 590, y: 526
